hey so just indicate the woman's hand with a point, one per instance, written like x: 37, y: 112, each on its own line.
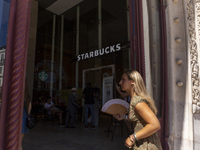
x: 129, y: 143
x: 117, y: 87
x: 118, y: 117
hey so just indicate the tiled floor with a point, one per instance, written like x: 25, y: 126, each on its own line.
x: 48, y: 137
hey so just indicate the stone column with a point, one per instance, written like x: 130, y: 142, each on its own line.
x: 180, y: 94
x: 14, y: 74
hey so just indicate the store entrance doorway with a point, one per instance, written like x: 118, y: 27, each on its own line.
x: 95, y: 76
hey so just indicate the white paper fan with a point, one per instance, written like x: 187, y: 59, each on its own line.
x: 115, y: 106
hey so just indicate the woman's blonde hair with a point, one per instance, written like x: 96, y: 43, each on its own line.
x: 139, y: 87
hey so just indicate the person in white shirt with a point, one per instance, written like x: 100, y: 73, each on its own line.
x: 51, y: 109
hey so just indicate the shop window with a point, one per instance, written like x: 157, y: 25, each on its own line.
x: 91, y: 34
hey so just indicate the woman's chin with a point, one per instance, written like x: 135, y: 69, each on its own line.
x: 123, y: 90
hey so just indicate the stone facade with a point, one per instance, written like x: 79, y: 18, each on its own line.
x: 183, y: 62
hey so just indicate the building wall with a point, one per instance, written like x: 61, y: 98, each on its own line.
x: 183, y: 74
x: 196, y: 100
x: 196, y: 108
x: 177, y: 50
x: 32, y: 45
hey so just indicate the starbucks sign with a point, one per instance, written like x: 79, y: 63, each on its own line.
x: 99, y: 52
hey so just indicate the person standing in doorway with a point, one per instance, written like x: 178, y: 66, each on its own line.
x: 88, y: 95
x: 97, y: 97
x: 72, y: 109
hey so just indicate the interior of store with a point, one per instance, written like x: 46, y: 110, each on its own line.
x: 95, y: 30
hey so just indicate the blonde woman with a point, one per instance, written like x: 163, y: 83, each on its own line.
x: 142, y: 114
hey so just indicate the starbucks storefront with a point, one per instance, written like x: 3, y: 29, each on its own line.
x: 86, y: 42
x: 91, y: 41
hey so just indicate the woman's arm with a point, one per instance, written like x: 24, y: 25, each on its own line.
x: 150, y: 118
x: 150, y: 128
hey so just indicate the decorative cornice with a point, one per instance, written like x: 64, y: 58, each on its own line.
x: 193, y: 6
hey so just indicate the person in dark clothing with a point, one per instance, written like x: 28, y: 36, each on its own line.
x: 96, y: 105
x: 88, y: 95
x: 72, y: 109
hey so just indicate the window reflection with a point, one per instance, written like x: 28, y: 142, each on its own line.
x: 88, y: 27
